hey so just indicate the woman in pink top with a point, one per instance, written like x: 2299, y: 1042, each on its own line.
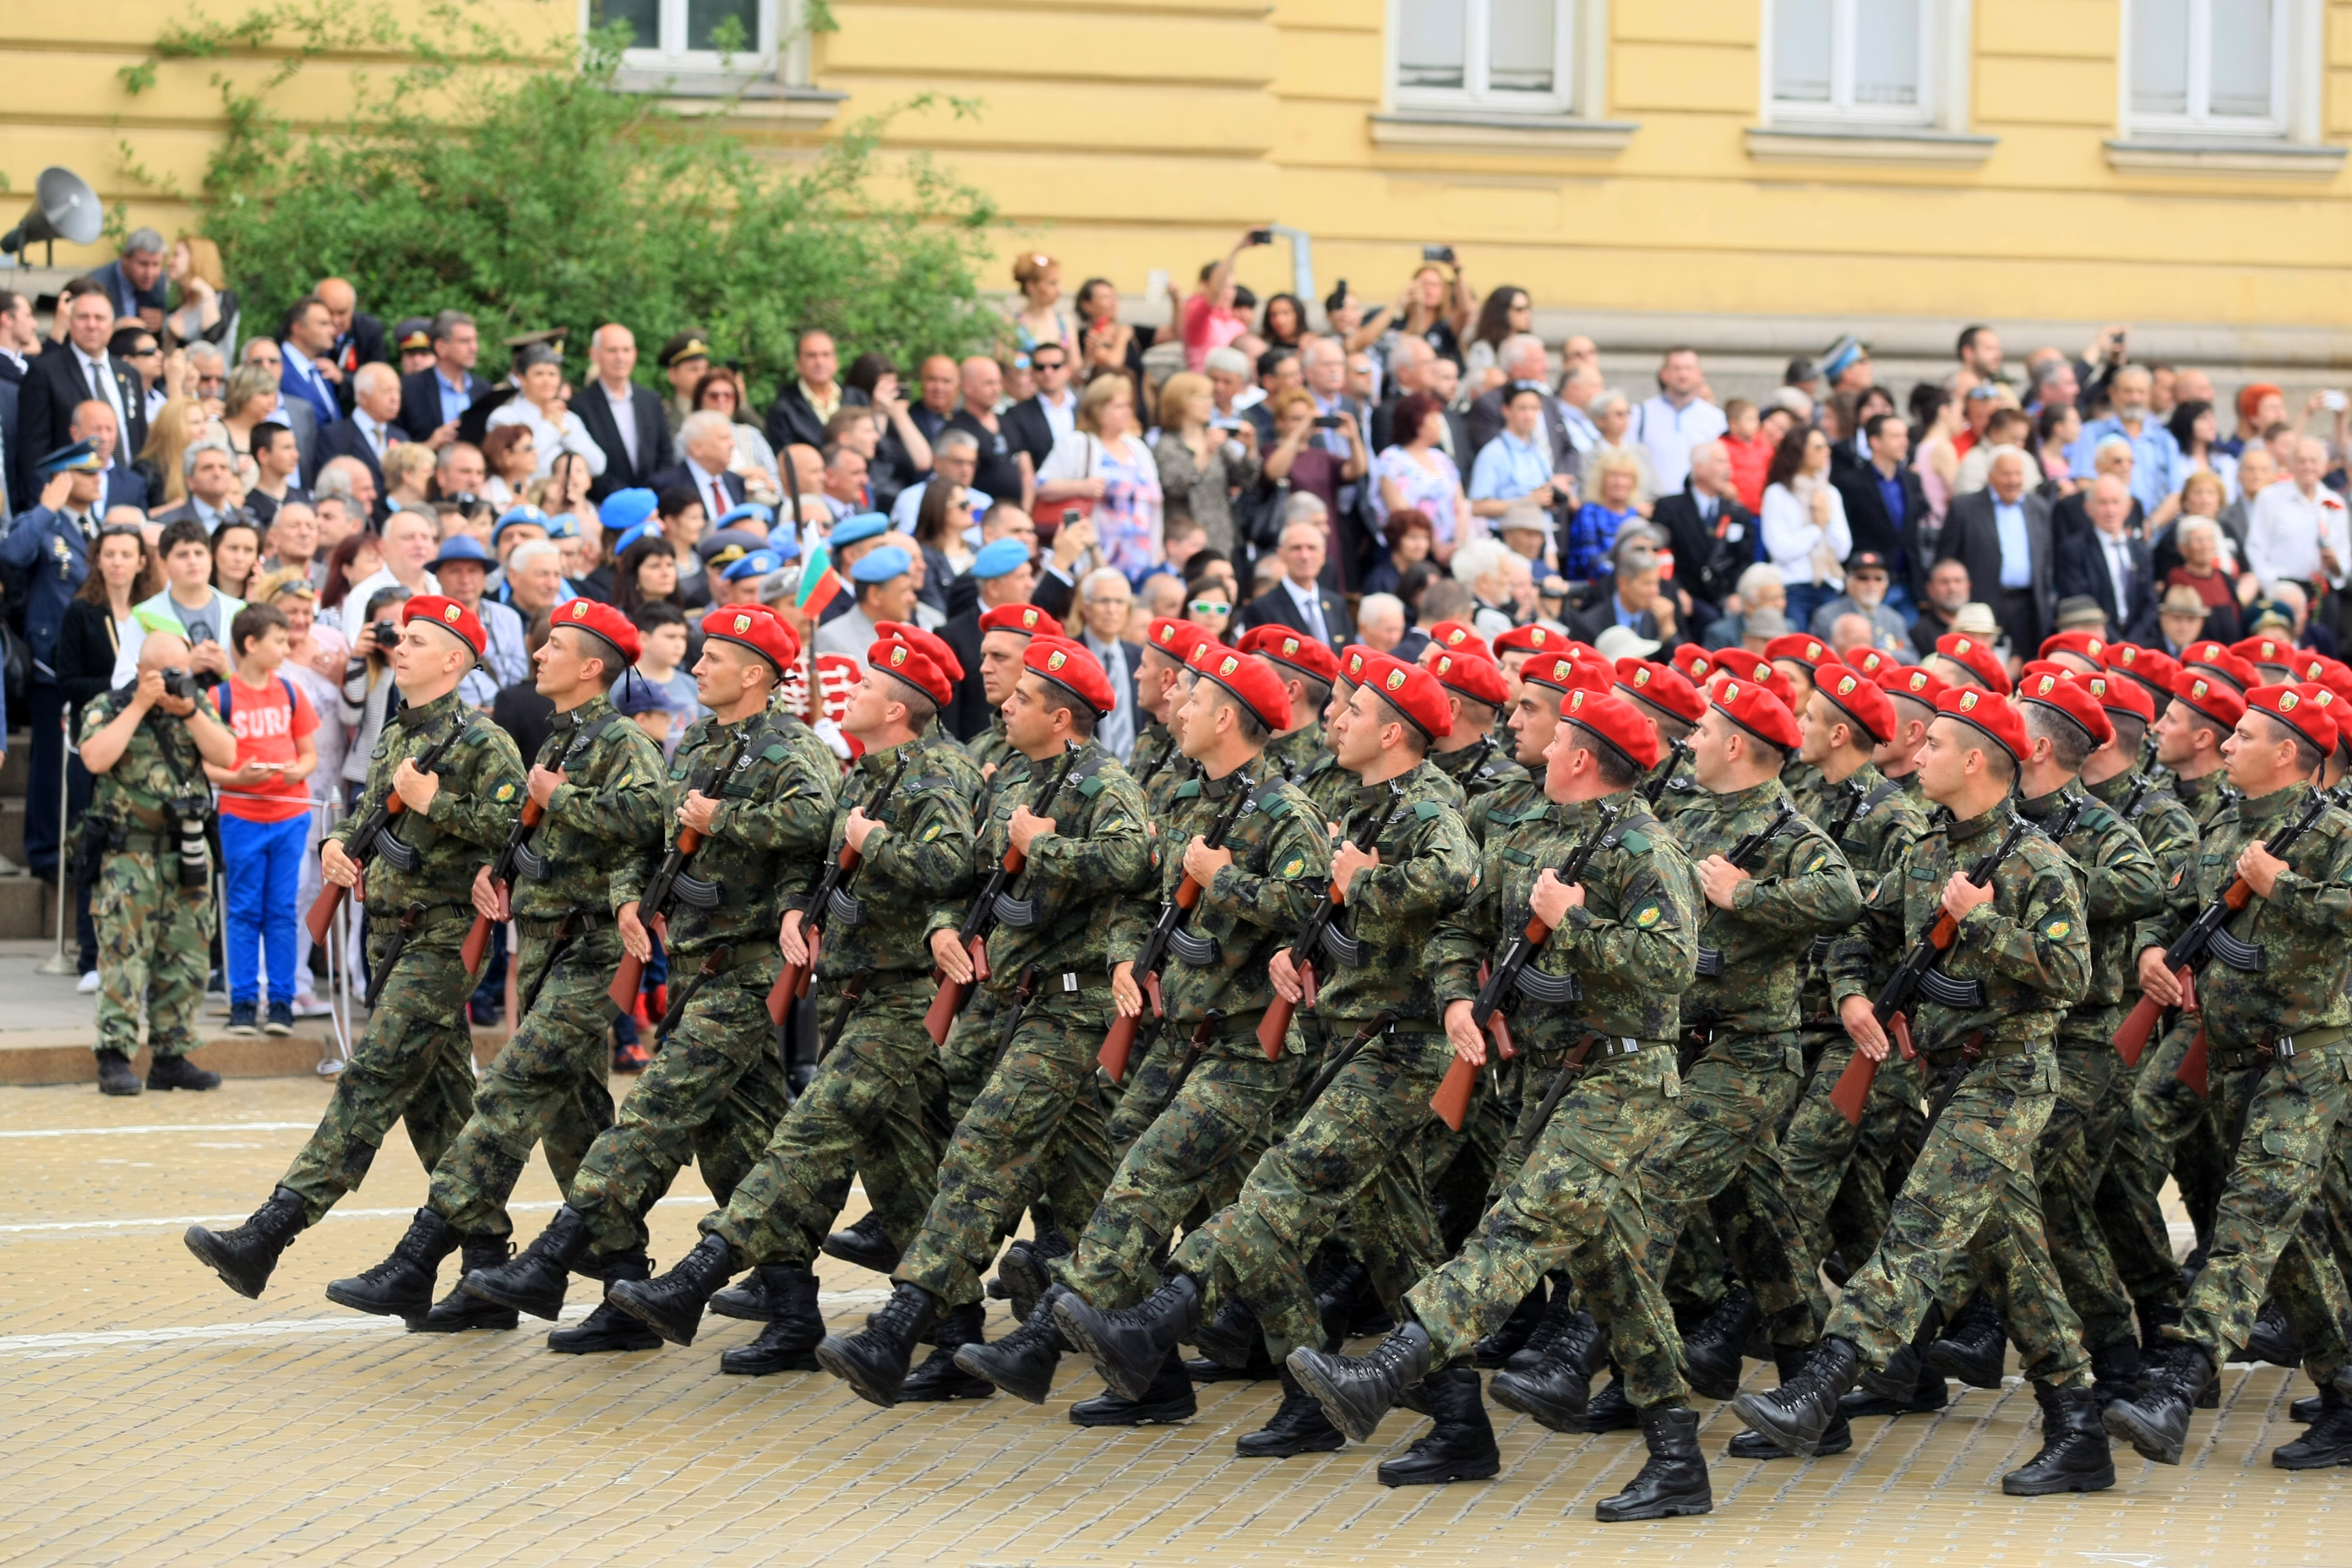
x: 1209, y: 322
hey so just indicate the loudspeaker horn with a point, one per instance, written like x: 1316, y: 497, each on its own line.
x: 64, y: 208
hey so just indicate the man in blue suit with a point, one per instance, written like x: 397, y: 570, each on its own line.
x: 119, y: 484
x: 48, y: 550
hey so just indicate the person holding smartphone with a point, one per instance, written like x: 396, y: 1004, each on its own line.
x: 265, y: 816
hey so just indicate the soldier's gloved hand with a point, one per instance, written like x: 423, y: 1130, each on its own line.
x: 793, y: 941
x: 1550, y: 899
x: 337, y: 866
x: 1862, y: 1023
x: 634, y: 940
x: 1468, y: 1042
x: 2156, y: 980
x: 1125, y: 991
x: 949, y: 953
x: 490, y: 898
x: 1285, y: 976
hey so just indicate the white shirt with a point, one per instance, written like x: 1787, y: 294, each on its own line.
x: 547, y: 437
x: 379, y: 437
x: 1310, y: 601
x: 355, y: 613
x: 105, y: 378
x: 1061, y: 417
x: 717, y: 502
x: 2285, y: 528
x: 1669, y: 433
x: 624, y: 418
x: 1790, y: 534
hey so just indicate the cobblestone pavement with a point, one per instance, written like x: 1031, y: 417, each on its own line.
x: 151, y: 1416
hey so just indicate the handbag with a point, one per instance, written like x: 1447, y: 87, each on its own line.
x: 1077, y: 506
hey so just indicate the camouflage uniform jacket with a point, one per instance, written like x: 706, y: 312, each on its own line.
x: 473, y: 811
x: 1299, y: 748
x: 2029, y: 945
x: 1099, y: 850
x: 775, y: 807
x: 2204, y: 795
x: 1281, y: 869
x: 1476, y: 768
x: 158, y: 765
x: 2162, y: 823
x: 1630, y: 948
x: 914, y: 869
x: 1154, y: 754
x: 1516, y: 790
x: 1797, y: 886
x: 990, y: 750
x: 2298, y: 929
x: 946, y: 754
x: 1427, y: 870
x: 1873, y: 820
x: 2120, y: 886
x: 608, y: 811
x: 1330, y: 786
x: 1681, y: 792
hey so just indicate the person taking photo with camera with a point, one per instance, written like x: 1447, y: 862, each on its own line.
x: 142, y: 845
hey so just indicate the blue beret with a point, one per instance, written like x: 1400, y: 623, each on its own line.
x: 460, y: 547
x: 881, y: 565
x: 629, y: 536
x: 514, y: 514
x: 563, y: 525
x: 82, y: 458
x: 998, y: 557
x: 759, y: 564
x: 864, y: 525
x: 624, y: 510
x: 765, y: 515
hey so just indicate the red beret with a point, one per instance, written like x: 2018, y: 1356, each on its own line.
x: 1924, y: 687
x: 451, y: 616
x: 2292, y: 705
x: 2118, y: 695
x: 2083, y: 644
x: 1694, y: 662
x: 2032, y: 667
x: 2217, y: 699
x: 1250, y: 679
x: 758, y: 628
x: 1532, y: 639
x: 604, y: 622
x: 2157, y: 672
x: 1760, y: 710
x: 933, y: 647
x: 1176, y: 639
x: 1860, y: 699
x: 1728, y: 659
x: 1975, y: 655
x: 1475, y: 678
x: 1027, y: 619
x: 1354, y: 659
x: 1070, y: 667
x: 1662, y: 686
x: 2336, y: 706
x: 1565, y: 672
x: 2212, y: 656
x: 1413, y: 692
x: 1455, y: 636
x: 2070, y: 696
x: 1992, y: 715
x: 1800, y: 649
x: 2318, y: 669
x: 2261, y: 650
x: 1755, y: 669
x: 1869, y: 660
x: 1614, y: 721
x: 1302, y: 653
x: 896, y: 657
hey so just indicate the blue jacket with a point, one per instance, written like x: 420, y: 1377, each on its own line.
x: 45, y: 551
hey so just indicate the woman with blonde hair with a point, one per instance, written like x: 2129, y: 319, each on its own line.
x: 1104, y: 466
x: 1039, y: 277
x: 207, y: 310
x: 1200, y: 469
x: 250, y: 398
x: 408, y: 475
x: 177, y: 426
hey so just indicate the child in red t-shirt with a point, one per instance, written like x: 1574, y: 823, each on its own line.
x: 265, y: 816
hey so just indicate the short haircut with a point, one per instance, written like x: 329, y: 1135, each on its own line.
x: 1416, y: 739
x: 1104, y: 575
x: 142, y: 241
x: 655, y: 613
x: 2131, y: 730
x: 701, y: 423
x: 446, y: 323
x: 1060, y: 698
x: 531, y: 550
x: 250, y: 623
x: 197, y: 448
x: 1476, y: 559
x: 675, y: 500
x: 1246, y: 723
x: 1763, y: 574
x: 297, y: 310
x: 179, y: 531
x: 129, y: 332
x: 2069, y: 743
x: 956, y: 441
x: 1616, y: 768
x: 266, y: 434
x: 610, y: 665
x: 2307, y: 755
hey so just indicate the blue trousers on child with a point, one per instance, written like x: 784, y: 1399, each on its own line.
x: 261, y: 864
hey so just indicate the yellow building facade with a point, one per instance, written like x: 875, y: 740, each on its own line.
x: 1753, y: 174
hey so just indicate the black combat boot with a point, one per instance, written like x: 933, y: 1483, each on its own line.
x: 2306, y: 1410
x: 1460, y: 1448
x: 1975, y: 1347
x: 1711, y: 1352
x: 744, y: 1300
x: 1168, y: 1397
x: 114, y: 1074
x: 1023, y: 1272
x: 1357, y: 1390
x: 1561, y: 1317
x: 789, y: 1342
x: 533, y: 1280
x: 1610, y: 1410
x: 243, y: 1258
x: 2273, y: 1338
x: 1671, y: 1483
x: 940, y: 1377
x: 2329, y: 1443
x: 1022, y: 1364
x: 1339, y: 1297
x: 2155, y: 1317
x: 672, y: 1305
x: 402, y: 1285
x: 1233, y: 1337
x: 2156, y: 1421
x: 1800, y: 1412
x: 1557, y: 1392
x: 456, y: 1312
x: 1836, y: 1438
x: 1258, y: 1368
x: 2116, y: 1373
x: 179, y: 1072
x: 1497, y: 1349
x: 1928, y: 1394
x: 1130, y: 1346
x: 866, y: 1244
x: 1299, y: 1426
x: 2075, y: 1456
x: 874, y: 1360
x: 609, y: 1327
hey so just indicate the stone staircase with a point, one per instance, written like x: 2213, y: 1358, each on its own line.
x: 27, y: 907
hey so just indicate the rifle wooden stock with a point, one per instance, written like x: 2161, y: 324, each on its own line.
x: 1452, y: 1100
x: 941, y: 1015
x: 331, y: 897
x: 478, y: 941
x: 2140, y: 1024
x: 1852, y: 1090
x: 1119, y: 1045
x: 623, y: 992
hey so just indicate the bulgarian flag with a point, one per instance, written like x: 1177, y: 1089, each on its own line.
x: 819, y: 584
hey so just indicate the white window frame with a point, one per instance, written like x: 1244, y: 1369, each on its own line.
x: 2297, y: 58
x: 1571, y: 43
x: 780, y: 49
x: 1943, y: 73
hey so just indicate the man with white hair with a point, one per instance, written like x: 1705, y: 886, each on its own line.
x: 369, y: 434
x: 534, y: 579
x: 346, y: 480
x: 1712, y: 535
x: 209, y: 468
x: 2295, y: 530
x: 1760, y: 587
x: 1105, y: 602
x: 1380, y: 622
x: 1521, y: 356
x: 1481, y: 566
x: 2002, y: 534
x: 2109, y: 565
x: 708, y: 440
x: 1299, y: 598
x: 1669, y: 425
x: 1325, y: 363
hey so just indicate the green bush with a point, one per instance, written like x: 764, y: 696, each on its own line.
x: 550, y: 199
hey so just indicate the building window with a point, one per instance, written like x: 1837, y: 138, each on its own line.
x: 1858, y: 60
x: 2207, y: 66
x: 695, y: 35
x: 1506, y: 55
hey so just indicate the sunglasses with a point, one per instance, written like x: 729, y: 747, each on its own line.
x: 1210, y: 607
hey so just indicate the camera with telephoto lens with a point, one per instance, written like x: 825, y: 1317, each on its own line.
x: 182, y: 684
x: 189, y: 813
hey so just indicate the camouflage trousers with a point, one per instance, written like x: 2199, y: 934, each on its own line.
x: 547, y: 1086
x: 1221, y: 1114
x: 1070, y: 1175
x: 2270, y: 1232
x: 414, y: 1062
x: 712, y: 1094
x: 1719, y: 1159
x: 155, y: 944
x: 1043, y: 1095
x: 1349, y: 1161
x: 1835, y: 1174
x: 1575, y: 1204
x: 1970, y: 1202
x: 865, y: 1104
x: 2067, y: 1165
x: 2167, y: 1119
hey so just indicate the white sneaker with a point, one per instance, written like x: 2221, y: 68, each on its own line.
x: 88, y: 984
x: 306, y: 1005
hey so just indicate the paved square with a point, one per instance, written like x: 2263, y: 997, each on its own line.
x: 151, y: 1416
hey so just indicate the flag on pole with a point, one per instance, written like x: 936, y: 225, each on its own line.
x: 819, y: 584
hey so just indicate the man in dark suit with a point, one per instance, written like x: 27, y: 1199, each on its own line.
x: 2108, y: 564
x: 814, y: 394
x: 623, y: 419
x: 1713, y: 537
x: 2002, y: 534
x: 370, y: 432
x: 1107, y: 604
x: 1630, y: 599
x: 431, y: 400
x: 1036, y: 422
x: 707, y: 441
x: 19, y: 335
x: 1003, y: 576
x: 119, y: 484
x: 66, y: 375
x: 359, y: 337
x: 1299, y: 600
x: 1885, y: 506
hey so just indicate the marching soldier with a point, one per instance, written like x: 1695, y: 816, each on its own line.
x: 1161, y: 688
x: 1327, y: 783
x: 1004, y: 633
x: 415, y: 1060
x: 1476, y: 696
x: 1307, y: 668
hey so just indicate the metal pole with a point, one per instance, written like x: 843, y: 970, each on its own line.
x: 56, y: 962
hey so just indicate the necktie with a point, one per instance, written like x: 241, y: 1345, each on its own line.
x: 1314, y: 608
x: 718, y: 500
